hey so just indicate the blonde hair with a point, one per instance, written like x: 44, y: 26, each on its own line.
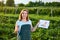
x: 20, y: 15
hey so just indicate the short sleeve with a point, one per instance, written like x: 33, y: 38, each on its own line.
x: 17, y: 22
x: 30, y: 21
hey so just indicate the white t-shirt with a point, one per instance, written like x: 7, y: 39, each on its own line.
x: 20, y: 23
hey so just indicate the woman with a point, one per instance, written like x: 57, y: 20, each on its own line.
x: 23, y: 26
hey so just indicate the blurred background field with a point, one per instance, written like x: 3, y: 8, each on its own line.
x: 47, y: 11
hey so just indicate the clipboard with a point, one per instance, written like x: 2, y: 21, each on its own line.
x: 44, y: 23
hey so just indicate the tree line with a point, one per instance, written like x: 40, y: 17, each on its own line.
x: 30, y: 4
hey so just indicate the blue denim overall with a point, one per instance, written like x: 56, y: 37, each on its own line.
x: 25, y: 32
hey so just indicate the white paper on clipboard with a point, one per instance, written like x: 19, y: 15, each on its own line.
x: 44, y: 23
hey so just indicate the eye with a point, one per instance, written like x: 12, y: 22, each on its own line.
x: 22, y: 13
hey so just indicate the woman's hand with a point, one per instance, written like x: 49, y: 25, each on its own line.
x: 15, y: 32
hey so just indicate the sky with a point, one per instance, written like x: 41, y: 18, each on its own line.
x: 26, y: 1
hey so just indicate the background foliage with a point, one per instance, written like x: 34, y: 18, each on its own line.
x: 8, y: 20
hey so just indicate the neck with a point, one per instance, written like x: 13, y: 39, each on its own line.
x: 24, y: 19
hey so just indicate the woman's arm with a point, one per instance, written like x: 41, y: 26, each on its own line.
x: 34, y: 28
x: 16, y: 29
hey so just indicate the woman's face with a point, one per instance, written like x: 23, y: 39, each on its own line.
x: 24, y: 14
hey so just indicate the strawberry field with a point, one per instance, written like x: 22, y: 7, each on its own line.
x: 8, y: 20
